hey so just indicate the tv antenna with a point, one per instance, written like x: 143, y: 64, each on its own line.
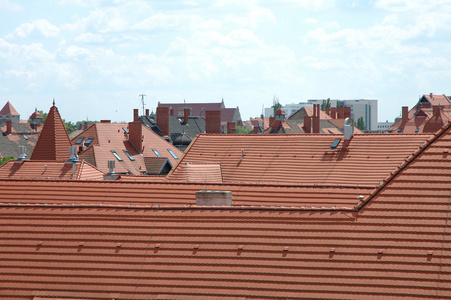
x: 142, y: 102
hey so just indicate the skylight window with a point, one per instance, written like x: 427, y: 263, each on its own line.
x: 416, y: 130
x: 25, y: 137
x: 89, y: 141
x: 156, y: 153
x: 173, y: 154
x: 335, y: 144
x: 125, y: 130
x: 79, y: 140
x: 129, y: 155
x: 116, y: 155
x: 399, y: 129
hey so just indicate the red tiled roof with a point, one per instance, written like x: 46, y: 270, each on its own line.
x: 198, y: 172
x: 302, y: 159
x: 322, y: 114
x: 53, y: 143
x: 55, y: 170
x: 111, y: 136
x: 8, y: 110
x: 441, y: 100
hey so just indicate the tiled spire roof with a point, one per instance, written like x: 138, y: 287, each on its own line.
x: 8, y: 110
x: 53, y: 143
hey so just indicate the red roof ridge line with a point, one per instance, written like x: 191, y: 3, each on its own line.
x: 402, y: 166
x: 182, y: 207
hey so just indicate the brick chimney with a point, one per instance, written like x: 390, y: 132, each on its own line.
x: 255, y: 130
x: 171, y: 111
x: 147, y: 111
x: 308, y: 124
x: 327, y: 111
x: 163, y: 119
x: 340, y: 112
x: 347, y: 112
x: 186, y: 114
x: 213, y: 121
x: 315, y: 119
x: 405, y: 114
x: 135, y: 135
x: 333, y: 112
x: 8, y: 127
x: 230, y: 127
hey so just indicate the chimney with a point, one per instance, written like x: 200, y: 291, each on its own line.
x: 213, y: 121
x: 347, y: 112
x: 348, y: 129
x: 8, y: 127
x: 405, y: 114
x: 327, y: 111
x: 73, y: 153
x: 147, y: 111
x: 340, y: 112
x: 111, y: 166
x: 111, y: 175
x: 213, y: 198
x: 135, y: 115
x: 435, y: 109
x: 230, y: 127
x: 171, y: 111
x: 105, y: 121
x: 186, y: 114
x: 22, y: 155
x: 308, y: 124
x: 333, y: 112
x: 163, y: 119
x: 255, y: 130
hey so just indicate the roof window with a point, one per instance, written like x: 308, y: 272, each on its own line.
x: 25, y: 137
x: 79, y: 140
x: 125, y: 130
x: 416, y: 130
x: 399, y: 129
x: 335, y: 144
x: 156, y: 153
x: 116, y: 155
x: 89, y: 141
x: 129, y: 155
x: 173, y: 154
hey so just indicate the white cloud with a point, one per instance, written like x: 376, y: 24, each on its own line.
x: 323, y: 64
x: 7, y: 5
x: 39, y: 27
x: 313, y: 5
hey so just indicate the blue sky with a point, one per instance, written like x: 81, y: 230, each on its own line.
x: 96, y: 57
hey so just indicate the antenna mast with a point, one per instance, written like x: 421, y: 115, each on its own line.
x: 142, y: 102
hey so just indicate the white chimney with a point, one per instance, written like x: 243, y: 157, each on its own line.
x: 348, y: 129
x: 73, y: 153
x: 111, y: 166
x: 22, y: 153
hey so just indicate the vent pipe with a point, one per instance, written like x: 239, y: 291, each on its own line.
x: 22, y: 155
x: 73, y: 153
x: 111, y: 166
x: 348, y: 129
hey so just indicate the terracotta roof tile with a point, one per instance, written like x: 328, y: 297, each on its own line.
x: 198, y: 172
x: 53, y: 142
x: 303, y: 159
x: 8, y: 110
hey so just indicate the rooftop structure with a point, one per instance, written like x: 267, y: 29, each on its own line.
x: 8, y: 112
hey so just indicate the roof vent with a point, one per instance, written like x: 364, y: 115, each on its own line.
x: 22, y: 154
x: 214, y: 198
x: 348, y: 129
x: 73, y: 153
x: 111, y: 166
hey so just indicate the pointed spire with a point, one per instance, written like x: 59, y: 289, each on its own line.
x: 53, y: 143
x: 53, y: 101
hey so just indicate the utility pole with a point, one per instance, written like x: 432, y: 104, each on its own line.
x: 142, y: 101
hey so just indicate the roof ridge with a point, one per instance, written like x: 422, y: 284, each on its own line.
x: 381, y: 186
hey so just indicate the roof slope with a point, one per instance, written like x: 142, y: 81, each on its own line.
x: 53, y: 142
x: 303, y: 159
x: 8, y: 110
x: 198, y: 172
x: 108, y: 137
x: 55, y: 170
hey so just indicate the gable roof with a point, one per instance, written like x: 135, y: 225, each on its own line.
x: 302, y: 159
x: 108, y: 137
x: 53, y: 143
x: 156, y: 165
x: 8, y: 110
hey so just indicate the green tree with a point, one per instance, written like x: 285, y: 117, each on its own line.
x: 6, y: 159
x: 242, y: 130
x: 360, y: 124
x: 326, y: 103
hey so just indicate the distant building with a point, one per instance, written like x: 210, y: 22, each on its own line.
x: 288, y: 108
x: 383, y: 126
x: 367, y: 109
x: 9, y: 113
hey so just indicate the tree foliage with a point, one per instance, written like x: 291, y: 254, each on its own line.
x: 276, y: 104
x: 326, y: 103
x: 6, y: 159
x: 242, y: 130
x: 360, y: 124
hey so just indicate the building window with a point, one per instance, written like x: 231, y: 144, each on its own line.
x: 173, y: 154
x: 116, y: 155
x: 156, y: 153
x: 89, y: 141
x: 129, y: 155
x: 79, y: 140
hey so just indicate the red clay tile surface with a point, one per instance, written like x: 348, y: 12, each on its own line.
x: 53, y: 143
x: 111, y: 136
x: 302, y: 159
x: 8, y: 110
x: 38, y: 170
x: 398, y: 246
x: 198, y: 172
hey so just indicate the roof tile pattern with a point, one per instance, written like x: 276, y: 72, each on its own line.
x: 49, y: 170
x: 53, y: 143
x: 198, y: 172
x: 302, y: 159
x: 8, y: 110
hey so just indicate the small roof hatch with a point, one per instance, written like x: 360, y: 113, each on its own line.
x: 335, y: 144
